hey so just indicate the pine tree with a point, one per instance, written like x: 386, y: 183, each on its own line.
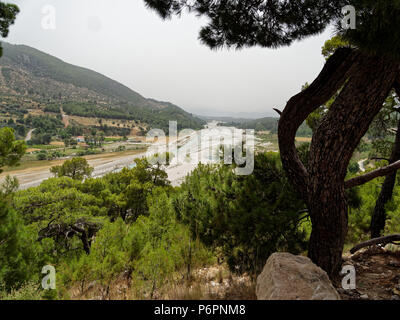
x: 8, y: 14
x: 364, y: 73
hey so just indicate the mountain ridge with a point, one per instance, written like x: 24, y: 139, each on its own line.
x: 30, y: 73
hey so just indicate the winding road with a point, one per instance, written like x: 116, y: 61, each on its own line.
x: 361, y: 165
x: 65, y: 118
x: 29, y: 135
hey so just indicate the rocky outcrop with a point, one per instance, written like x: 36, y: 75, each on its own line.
x: 289, y: 277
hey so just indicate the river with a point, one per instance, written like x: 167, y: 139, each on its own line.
x: 188, y: 150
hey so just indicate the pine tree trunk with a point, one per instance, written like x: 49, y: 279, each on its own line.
x: 329, y: 229
x: 378, y: 220
x: 85, y: 242
x: 367, y: 82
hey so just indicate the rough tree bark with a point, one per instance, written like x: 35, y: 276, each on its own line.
x: 378, y: 220
x: 366, y: 82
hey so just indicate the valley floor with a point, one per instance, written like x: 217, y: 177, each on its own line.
x: 32, y: 173
x: 102, y: 164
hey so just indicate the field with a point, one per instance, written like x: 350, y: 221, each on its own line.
x: 266, y: 141
x: 303, y: 139
x: 89, y: 122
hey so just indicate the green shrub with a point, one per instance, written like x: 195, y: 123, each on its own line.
x: 248, y: 217
x: 29, y: 291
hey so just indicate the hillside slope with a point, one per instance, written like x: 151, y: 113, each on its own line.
x: 31, y: 79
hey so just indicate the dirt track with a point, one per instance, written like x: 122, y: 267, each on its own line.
x: 102, y: 164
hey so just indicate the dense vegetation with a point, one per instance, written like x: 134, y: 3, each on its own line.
x: 133, y: 224
x: 154, y: 118
x: 248, y: 218
x: 359, y: 77
x: 269, y: 124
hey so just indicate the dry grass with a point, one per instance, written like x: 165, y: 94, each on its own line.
x: 303, y: 139
x: 57, y: 143
x: 213, y: 283
x: 116, y: 290
x: 32, y: 150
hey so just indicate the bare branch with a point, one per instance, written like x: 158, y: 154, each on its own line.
x: 376, y: 241
x: 278, y: 111
x: 381, y: 172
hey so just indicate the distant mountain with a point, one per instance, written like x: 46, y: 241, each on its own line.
x: 48, y: 82
x: 215, y: 115
x: 263, y: 124
x: 225, y: 119
x: 267, y: 124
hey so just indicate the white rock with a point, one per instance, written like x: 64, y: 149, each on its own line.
x: 289, y: 277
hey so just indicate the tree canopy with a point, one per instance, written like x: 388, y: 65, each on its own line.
x: 252, y: 22
x: 361, y: 75
x: 277, y: 23
x: 11, y: 150
x: 8, y: 14
x: 76, y: 168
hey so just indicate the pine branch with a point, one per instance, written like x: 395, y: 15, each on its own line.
x: 381, y: 172
x: 376, y: 241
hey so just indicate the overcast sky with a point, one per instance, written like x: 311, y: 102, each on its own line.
x: 164, y: 60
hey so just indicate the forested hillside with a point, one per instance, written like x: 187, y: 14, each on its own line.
x: 31, y: 79
x: 268, y: 124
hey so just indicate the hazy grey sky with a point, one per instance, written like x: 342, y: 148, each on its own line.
x: 125, y: 41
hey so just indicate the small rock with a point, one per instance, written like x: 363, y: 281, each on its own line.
x: 396, y: 291
x: 364, y: 297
